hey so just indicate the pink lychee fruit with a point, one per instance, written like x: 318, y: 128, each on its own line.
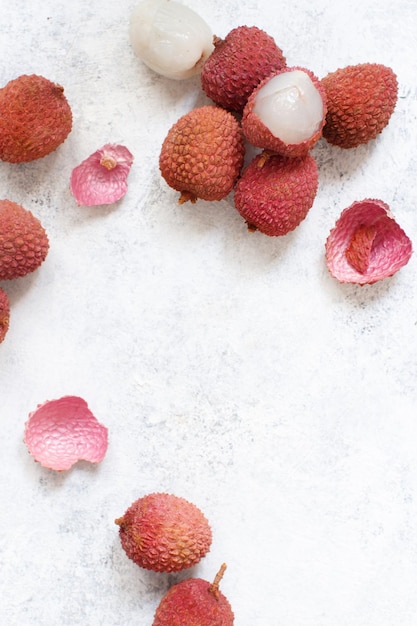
x: 237, y: 65
x: 61, y: 432
x: 195, y: 602
x: 275, y: 193
x: 366, y: 244
x: 164, y: 533
x: 4, y: 314
x: 286, y: 112
x: 102, y: 177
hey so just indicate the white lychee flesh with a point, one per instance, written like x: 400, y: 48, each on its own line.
x: 170, y: 38
x: 290, y: 106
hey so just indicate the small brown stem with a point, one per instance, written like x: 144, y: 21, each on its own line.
x: 108, y: 162
x: 214, y: 587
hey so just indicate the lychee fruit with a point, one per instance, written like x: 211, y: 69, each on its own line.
x: 102, y: 177
x: 286, y: 112
x: 202, y: 154
x: 164, y: 533
x: 237, y: 65
x: 23, y: 241
x: 195, y: 602
x: 4, y: 314
x: 61, y: 432
x: 170, y: 38
x: 35, y: 118
x: 275, y: 193
x: 366, y: 244
x: 360, y: 101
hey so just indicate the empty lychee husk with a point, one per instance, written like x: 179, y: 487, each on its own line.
x: 366, y: 244
x: 61, y: 432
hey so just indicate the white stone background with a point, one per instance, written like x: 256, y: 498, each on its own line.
x: 230, y: 368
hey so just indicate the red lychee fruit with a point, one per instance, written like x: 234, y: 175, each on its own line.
x: 237, y: 65
x: 35, y: 118
x: 275, y: 193
x: 4, y: 314
x: 286, y: 112
x: 23, y: 241
x: 202, y: 154
x: 195, y: 602
x: 366, y: 244
x: 164, y: 533
x: 360, y: 101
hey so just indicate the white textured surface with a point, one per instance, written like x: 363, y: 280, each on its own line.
x: 230, y: 368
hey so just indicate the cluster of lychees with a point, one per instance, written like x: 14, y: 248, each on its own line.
x: 36, y: 118
x: 283, y: 111
x: 166, y: 533
x: 23, y: 240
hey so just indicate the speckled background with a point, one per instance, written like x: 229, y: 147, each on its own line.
x: 230, y: 368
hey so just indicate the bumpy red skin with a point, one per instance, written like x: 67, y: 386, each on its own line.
x: 389, y: 251
x: 23, y: 241
x: 164, y: 533
x: 360, y: 101
x: 4, y: 314
x: 202, y: 154
x: 260, y: 136
x: 192, y: 602
x: 237, y: 65
x: 275, y: 193
x: 35, y: 118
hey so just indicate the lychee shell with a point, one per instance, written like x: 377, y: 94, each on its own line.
x: 367, y: 258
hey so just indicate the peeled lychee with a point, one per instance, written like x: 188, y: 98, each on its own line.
x: 170, y: 38
x: 4, y: 314
x: 275, y: 193
x: 237, y: 65
x: 102, y: 177
x: 164, y: 533
x: 360, y: 101
x: 366, y: 244
x: 202, y: 154
x: 35, y: 118
x: 286, y: 112
x: 195, y: 602
x: 23, y: 241
x: 61, y: 432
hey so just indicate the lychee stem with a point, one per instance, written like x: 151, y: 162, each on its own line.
x: 214, y: 587
x: 108, y: 162
x: 187, y: 196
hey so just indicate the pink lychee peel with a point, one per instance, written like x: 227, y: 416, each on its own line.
x: 61, y: 432
x: 102, y: 177
x: 366, y: 244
